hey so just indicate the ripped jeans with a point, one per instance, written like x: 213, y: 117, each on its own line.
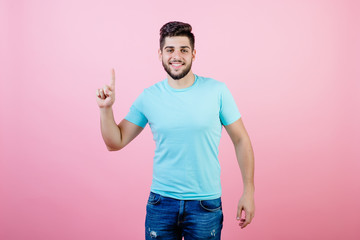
x: 172, y: 219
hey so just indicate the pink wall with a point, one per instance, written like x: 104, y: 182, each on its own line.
x: 292, y: 66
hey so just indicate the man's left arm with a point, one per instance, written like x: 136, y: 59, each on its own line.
x: 245, y: 158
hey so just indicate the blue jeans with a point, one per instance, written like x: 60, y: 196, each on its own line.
x: 172, y: 219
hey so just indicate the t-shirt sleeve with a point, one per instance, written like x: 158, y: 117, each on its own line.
x: 136, y: 112
x: 229, y: 112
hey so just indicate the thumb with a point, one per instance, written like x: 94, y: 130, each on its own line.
x: 240, y: 208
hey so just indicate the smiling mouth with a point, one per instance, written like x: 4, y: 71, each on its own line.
x: 176, y: 65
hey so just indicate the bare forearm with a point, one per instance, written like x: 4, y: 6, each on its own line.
x: 245, y: 158
x: 109, y: 129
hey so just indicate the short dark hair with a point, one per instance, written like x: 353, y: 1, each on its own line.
x: 174, y: 29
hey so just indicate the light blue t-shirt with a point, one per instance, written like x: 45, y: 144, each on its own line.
x: 186, y: 125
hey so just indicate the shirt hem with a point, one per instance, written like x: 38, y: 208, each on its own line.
x: 181, y: 196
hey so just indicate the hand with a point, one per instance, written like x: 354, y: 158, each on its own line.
x: 246, y: 204
x: 105, y: 96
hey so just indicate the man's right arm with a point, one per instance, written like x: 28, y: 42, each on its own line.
x: 115, y: 136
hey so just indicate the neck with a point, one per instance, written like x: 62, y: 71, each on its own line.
x: 184, y: 82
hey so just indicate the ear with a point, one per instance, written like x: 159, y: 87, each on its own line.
x: 160, y: 54
x: 193, y: 54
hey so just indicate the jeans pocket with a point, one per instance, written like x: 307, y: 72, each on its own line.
x: 211, y: 205
x: 154, y: 198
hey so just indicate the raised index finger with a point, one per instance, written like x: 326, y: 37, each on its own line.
x: 112, y: 82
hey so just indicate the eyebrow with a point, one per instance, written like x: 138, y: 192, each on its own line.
x: 174, y: 47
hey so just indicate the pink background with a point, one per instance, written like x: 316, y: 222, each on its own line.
x: 292, y: 66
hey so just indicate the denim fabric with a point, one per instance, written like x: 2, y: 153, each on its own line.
x: 171, y: 219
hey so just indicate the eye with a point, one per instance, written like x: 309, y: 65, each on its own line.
x: 169, y: 50
x: 184, y: 50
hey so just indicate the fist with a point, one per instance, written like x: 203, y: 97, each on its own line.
x: 105, y: 97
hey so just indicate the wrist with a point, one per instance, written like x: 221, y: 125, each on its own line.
x: 106, y: 112
x: 249, y: 189
x: 105, y: 109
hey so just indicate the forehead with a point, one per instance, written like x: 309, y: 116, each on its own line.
x: 177, y: 41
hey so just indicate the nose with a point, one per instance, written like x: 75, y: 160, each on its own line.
x: 176, y: 55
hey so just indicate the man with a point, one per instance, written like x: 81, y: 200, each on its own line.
x: 186, y: 113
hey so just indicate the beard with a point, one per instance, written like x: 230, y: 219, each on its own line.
x: 178, y: 75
